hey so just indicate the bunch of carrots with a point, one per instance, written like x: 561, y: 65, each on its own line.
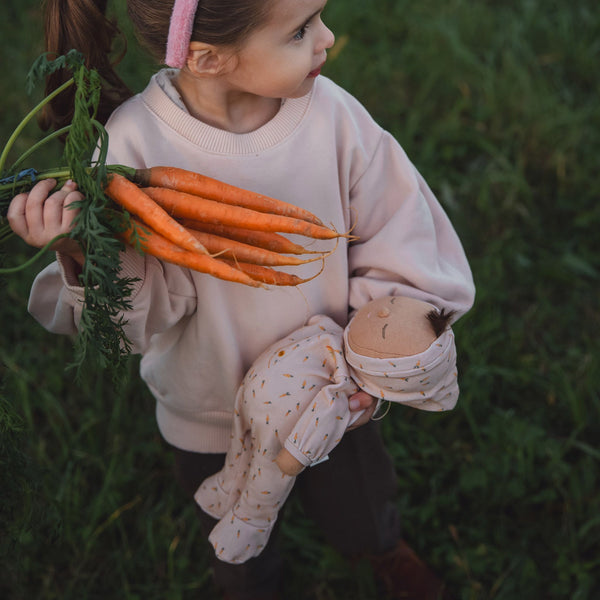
x: 212, y: 227
x: 176, y: 215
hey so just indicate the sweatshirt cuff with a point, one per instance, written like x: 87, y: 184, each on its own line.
x: 70, y: 271
x: 132, y: 267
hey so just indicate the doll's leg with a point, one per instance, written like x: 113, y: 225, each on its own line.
x: 244, y: 530
x: 259, y: 577
x: 219, y: 492
x: 278, y: 389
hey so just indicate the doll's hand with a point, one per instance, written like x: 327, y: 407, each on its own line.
x: 288, y: 464
x: 361, y: 401
x: 38, y: 217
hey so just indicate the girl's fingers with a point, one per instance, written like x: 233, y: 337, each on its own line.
x: 51, y: 214
x: 57, y: 212
x: 39, y: 216
x: 34, y: 207
x: 362, y: 401
x: 69, y: 212
x: 16, y: 215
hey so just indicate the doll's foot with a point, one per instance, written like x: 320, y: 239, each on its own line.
x: 212, y: 498
x: 236, y: 540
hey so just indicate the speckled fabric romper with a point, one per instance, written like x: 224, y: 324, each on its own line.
x: 275, y: 404
x: 296, y: 396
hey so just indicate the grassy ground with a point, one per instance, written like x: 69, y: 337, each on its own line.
x: 497, y: 104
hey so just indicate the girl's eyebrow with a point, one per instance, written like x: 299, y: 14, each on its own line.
x: 307, y: 20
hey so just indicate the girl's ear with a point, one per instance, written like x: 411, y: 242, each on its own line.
x: 206, y: 59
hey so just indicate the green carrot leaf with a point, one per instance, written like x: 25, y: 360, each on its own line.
x: 44, y: 66
x: 101, y: 336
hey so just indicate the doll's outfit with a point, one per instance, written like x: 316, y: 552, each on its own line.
x: 199, y: 335
x: 296, y: 396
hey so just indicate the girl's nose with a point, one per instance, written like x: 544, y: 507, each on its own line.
x: 327, y: 38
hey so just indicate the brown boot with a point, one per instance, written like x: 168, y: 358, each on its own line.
x: 405, y: 576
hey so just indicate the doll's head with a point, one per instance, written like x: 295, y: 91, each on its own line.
x: 395, y: 326
x: 401, y: 349
x: 397, y: 334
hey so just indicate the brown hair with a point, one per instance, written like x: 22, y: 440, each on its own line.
x: 218, y: 22
x: 83, y: 25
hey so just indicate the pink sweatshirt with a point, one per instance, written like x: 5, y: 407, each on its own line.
x: 198, y: 335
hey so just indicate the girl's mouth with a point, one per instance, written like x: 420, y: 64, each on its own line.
x: 316, y: 72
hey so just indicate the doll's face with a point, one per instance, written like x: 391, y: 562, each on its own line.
x: 392, y: 326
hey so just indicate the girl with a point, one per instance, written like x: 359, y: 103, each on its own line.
x: 243, y: 101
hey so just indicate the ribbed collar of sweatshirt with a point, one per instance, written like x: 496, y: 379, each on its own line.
x: 163, y: 99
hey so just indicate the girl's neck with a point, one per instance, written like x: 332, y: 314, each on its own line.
x: 212, y: 102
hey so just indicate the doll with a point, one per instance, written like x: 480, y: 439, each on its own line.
x: 291, y: 409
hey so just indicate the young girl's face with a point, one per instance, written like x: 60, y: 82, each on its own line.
x: 283, y: 58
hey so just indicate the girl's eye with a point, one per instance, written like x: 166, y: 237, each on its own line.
x: 301, y: 33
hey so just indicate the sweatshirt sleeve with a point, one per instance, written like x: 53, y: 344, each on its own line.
x: 407, y: 245
x: 162, y: 296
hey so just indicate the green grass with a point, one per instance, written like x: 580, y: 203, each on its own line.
x: 497, y: 105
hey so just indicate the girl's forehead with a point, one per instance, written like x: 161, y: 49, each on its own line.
x: 294, y: 13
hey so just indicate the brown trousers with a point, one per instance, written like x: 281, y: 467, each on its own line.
x: 350, y: 497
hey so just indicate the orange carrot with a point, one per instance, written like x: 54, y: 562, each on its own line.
x: 239, y: 251
x: 270, y: 276
x: 189, y: 206
x: 261, y: 239
x: 135, y: 201
x: 155, y: 244
x: 213, y: 189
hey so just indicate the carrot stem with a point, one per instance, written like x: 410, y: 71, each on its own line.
x: 15, y: 134
x: 38, y: 254
x: 37, y: 145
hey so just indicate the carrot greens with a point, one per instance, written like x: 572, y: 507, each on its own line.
x: 101, y: 336
x: 113, y: 194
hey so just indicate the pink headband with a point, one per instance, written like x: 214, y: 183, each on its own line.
x: 180, y: 32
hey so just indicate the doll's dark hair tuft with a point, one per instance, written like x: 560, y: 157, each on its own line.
x: 439, y: 320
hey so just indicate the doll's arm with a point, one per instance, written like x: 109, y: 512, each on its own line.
x: 290, y: 465
x: 320, y: 427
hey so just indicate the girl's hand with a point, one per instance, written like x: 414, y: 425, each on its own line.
x: 38, y: 217
x: 361, y: 401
